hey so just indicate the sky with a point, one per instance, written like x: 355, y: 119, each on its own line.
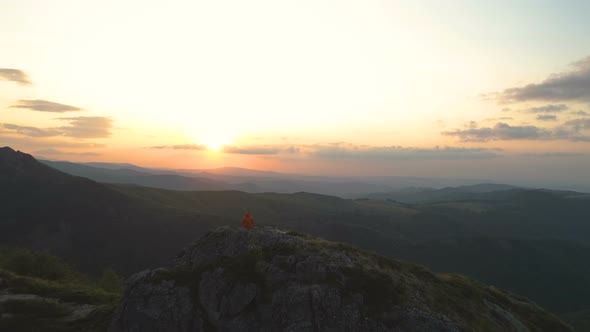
x: 478, y: 89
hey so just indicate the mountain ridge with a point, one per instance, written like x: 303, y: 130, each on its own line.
x: 265, y: 279
x: 93, y: 226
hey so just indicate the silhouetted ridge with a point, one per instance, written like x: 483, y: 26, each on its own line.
x: 89, y: 224
x: 14, y: 163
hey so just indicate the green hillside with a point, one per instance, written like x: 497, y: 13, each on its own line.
x: 39, y: 292
x: 87, y: 223
x: 531, y: 242
x: 266, y: 279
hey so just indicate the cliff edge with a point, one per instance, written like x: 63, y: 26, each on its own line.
x: 265, y: 279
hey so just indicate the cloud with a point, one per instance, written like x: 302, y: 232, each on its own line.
x: 45, y: 106
x: 572, y: 85
x: 546, y: 117
x: 349, y: 151
x: 181, y: 147
x: 555, y: 154
x: 293, y: 150
x: 551, y: 108
x: 52, y: 151
x: 251, y: 150
x: 577, y: 125
x: 32, y: 131
x: 581, y: 113
x: 31, y: 143
x: 502, y: 118
x: 501, y: 131
x: 343, y: 150
x: 14, y: 75
x: 79, y: 127
x: 572, y: 130
x: 87, y: 127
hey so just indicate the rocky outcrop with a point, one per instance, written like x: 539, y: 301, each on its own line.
x: 269, y: 280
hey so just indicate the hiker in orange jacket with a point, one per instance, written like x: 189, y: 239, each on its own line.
x: 248, y: 221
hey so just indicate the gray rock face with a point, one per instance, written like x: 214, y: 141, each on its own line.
x: 161, y: 306
x: 269, y: 280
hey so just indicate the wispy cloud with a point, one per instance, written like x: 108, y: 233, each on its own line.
x: 87, y: 127
x: 32, y: 131
x: 349, y: 151
x: 551, y: 108
x: 14, y: 75
x: 573, y: 130
x: 54, y: 152
x: 578, y: 125
x: 45, y: 106
x: 501, y: 131
x: 546, y: 117
x: 180, y: 147
x: 8, y: 137
x: 571, y: 85
x: 260, y: 150
x: 79, y: 127
x: 555, y: 154
x: 250, y: 150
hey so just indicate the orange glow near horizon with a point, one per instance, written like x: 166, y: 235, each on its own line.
x: 362, y: 87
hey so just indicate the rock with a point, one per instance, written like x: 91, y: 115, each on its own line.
x: 156, y: 305
x: 270, y: 280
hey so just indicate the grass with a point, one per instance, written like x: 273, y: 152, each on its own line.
x: 461, y: 298
x: 383, y: 284
x: 60, y: 289
x: 37, y: 264
x: 579, y: 320
x: 65, y: 291
x: 41, y: 308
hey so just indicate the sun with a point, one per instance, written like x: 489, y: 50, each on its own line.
x: 214, y: 141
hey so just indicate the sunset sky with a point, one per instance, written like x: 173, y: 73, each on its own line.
x: 488, y: 89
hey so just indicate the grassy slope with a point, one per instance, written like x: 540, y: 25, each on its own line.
x: 383, y: 283
x: 48, y: 295
x: 516, y: 254
x: 130, y: 228
x: 580, y: 320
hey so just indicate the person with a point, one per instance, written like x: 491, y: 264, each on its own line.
x: 248, y: 221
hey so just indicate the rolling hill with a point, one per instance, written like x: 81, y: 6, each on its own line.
x: 502, y: 237
x: 87, y: 223
x: 129, y: 174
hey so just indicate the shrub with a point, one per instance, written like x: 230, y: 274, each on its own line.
x: 37, y: 264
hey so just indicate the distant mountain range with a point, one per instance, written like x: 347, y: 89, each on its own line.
x: 129, y: 174
x: 429, y: 195
x: 532, y: 242
x: 253, y: 181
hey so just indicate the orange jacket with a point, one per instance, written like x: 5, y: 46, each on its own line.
x: 248, y: 221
